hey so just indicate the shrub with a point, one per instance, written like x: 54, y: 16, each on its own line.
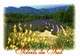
x: 53, y: 33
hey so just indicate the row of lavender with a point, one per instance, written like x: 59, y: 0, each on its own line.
x: 41, y: 25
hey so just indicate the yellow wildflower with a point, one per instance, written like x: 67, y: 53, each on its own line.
x: 8, y: 42
x: 30, y: 31
x: 24, y: 25
x: 40, y: 38
x: 25, y: 39
x: 65, y: 33
x: 19, y: 24
x: 43, y: 38
x: 16, y: 47
x: 45, y: 42
x: 32, y: 39
x: 15, y: 35
x: 58, y: 34
x: 13, y: 39
x: 67, y: 40
x: 37, y: 41
x: 22, y: 34
x: 15, y: 31
x: 29, y: 39
x: 22, y: 44
x: 20, y: 29
x: 18, y: 38
x: 46, y: 35
x: 9, y: 39
x: 13, y: 46
x: 34, y: 34
x: 45, y: 31
x: 29, y: 45
x: 10, y: 46
x: 26, y: 43
x: 26, y: 31
x: 16, y: 43
x: 7, y: 47
x: 30, y: 25
x: 19, y: 34
x: 13, y: 42
x: 15, y: 26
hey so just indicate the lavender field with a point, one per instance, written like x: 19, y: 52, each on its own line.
x: 46, y: 24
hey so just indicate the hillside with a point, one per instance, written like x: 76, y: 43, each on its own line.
x: 34, y: 11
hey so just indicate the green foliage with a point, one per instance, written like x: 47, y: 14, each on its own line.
x: 57, y: 16
x: 48, y: 29
x: 53, y: 33
x: 41, y: 30
x: 6, y: 35
x: 69, y: 16
x: 27, y: 14
x: 65, y: 42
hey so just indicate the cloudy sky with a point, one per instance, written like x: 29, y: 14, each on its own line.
x: 34, y: 3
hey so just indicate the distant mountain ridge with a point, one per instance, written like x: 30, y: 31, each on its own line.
x: 34, y: 11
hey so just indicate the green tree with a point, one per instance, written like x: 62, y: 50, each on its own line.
x: 27, y: 14
x: 69, y: 16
